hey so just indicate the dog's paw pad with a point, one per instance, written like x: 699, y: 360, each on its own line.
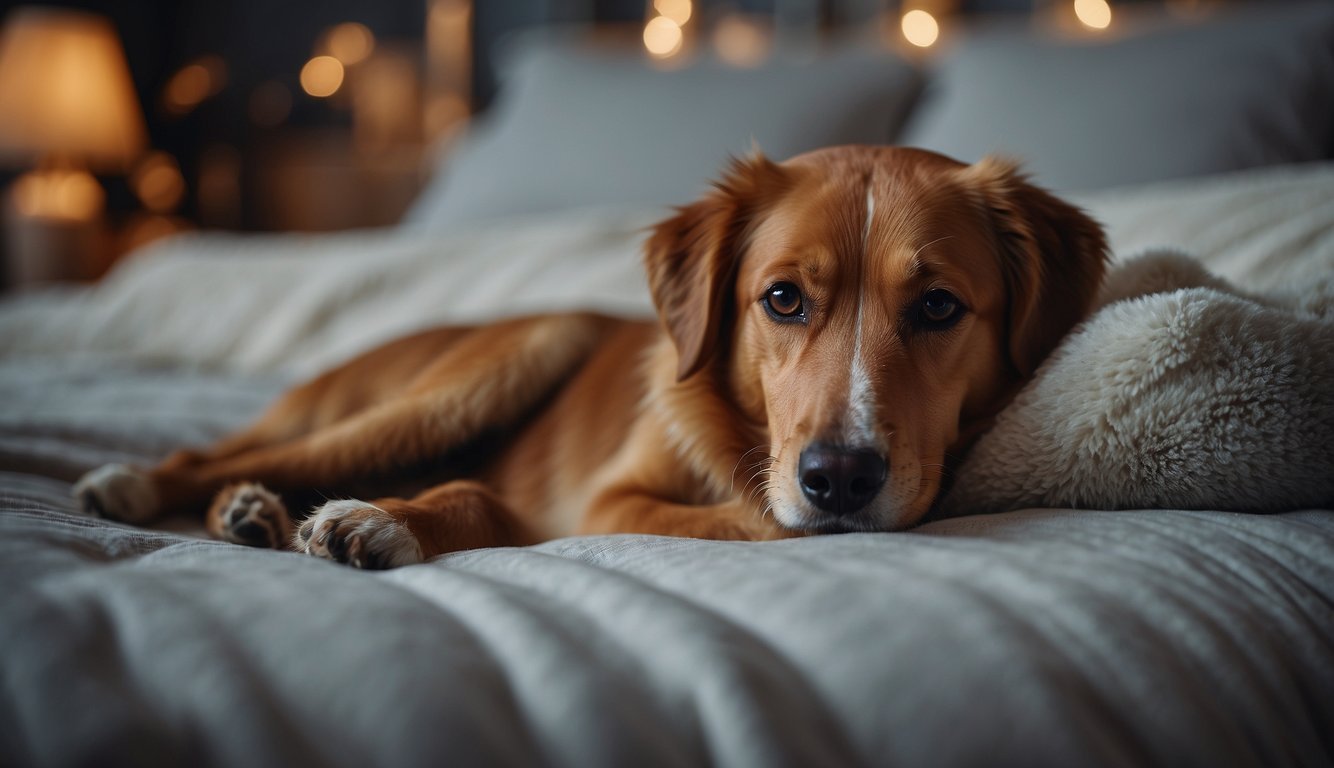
x: 117, y: 492
x: 358, y: 534
x: 250, y: 514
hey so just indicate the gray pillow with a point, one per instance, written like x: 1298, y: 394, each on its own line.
x: 1236, y: 90
x: 577, y: 128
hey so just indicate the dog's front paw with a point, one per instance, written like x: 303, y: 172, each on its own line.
x: 359, y: 534
x: 250, y: 514
x: 118, y: 492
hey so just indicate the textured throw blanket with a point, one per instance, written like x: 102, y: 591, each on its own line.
x: 1180, y: 391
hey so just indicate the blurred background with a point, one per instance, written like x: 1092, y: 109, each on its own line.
x: 122, y: 122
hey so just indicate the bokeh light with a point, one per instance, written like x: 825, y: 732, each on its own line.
x: 193, y: 83
x: 678, y: 11
x: 920, y: 28
x: 349, y: 42
x: 662, y: 37
x: 322, y: 76
x: 1096, y: 14
x: 158, y: 183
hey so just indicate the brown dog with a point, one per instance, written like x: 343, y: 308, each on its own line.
x: 834, y: 331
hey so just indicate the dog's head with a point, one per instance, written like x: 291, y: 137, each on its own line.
x: 873, y: 307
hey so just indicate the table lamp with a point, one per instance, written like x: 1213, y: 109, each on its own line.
x: 67, y: 106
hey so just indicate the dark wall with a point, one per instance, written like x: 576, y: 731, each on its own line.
x: 262, y: 40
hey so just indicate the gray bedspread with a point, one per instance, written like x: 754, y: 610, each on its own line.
x: 1043, y: 637
x: 1034, y: 638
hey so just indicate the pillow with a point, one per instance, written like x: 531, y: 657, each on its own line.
x: 1181, y: 392
x: 1237, y: 90
x: 577, y: 128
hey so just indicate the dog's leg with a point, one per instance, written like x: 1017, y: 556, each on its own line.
x: 631, y: 509
x: 132, y: 494
x: 135, y: 495
x: 388, y: 533
x: 485, y: 379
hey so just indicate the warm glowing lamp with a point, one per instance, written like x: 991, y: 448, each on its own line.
x: 67, y: 104
x: 65, y: 91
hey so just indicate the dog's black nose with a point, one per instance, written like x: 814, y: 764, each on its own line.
x: 840, y: 480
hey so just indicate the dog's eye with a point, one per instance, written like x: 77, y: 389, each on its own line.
x: 783, y: 301
x: 940, y: 309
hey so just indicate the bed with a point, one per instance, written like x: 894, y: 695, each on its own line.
x: 1037, y: 636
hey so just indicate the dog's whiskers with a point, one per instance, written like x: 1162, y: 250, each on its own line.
x: 732, y: 483
x: 761, y: 492
x: 761, y: 489
x: 758, y: 468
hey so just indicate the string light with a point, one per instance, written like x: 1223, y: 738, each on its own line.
x: 351, y: 43
x: 1095, y: 14
x: 920, y: 28
x: 678, y: 11
x: 322, y: 76
x: 186, y: 88
x: 158, y: 183
x: 663, y: 37
x: 193, y: 83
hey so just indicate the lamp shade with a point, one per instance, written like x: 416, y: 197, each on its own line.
x: 65, y: 90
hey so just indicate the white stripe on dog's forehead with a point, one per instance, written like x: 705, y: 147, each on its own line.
x: 859, y: 422
x: 870, y: 214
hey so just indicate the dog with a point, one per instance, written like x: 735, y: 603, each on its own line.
x: 833, y: 331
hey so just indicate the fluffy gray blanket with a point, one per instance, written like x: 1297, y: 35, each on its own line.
x: 1181, y: 391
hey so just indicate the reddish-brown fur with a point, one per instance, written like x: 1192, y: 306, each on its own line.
x: 548, y: 426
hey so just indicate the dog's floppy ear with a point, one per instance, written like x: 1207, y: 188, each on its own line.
x: 692, y: 257
x: 1053, y: 257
